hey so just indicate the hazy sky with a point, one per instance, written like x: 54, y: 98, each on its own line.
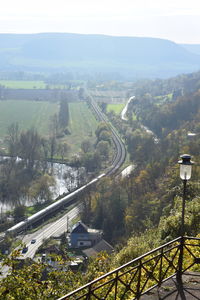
x: 177, y: 20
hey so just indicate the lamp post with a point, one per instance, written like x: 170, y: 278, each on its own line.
x: 185, y: 174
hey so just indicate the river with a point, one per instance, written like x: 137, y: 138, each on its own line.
x: 123, y: 117
x: 123, y: 113
x: 66, y: 179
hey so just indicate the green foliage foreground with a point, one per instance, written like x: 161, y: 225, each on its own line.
x: 30, y: 280
x: 40, y: 281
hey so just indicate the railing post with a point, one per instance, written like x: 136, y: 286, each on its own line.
x: 139, y: 280
x: 89, y: 292
x: 116, y: 284
x: 161, y: 266
x: 180, y: 261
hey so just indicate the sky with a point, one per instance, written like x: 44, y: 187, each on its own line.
x: 177, y: 20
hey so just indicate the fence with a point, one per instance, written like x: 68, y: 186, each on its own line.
x: 142, y: 274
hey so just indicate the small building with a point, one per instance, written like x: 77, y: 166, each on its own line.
x: 99, y: 247
x: 84, y: 237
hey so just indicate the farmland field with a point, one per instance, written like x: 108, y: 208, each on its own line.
x: 117, y: 108
x: 27, y: 114
x: 37, y: 84
x: 22, y: 84
x: 82, y: 125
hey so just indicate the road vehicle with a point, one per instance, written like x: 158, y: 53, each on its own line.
x: 25, y: 249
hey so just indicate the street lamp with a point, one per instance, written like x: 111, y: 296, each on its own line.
x: 185, y: 174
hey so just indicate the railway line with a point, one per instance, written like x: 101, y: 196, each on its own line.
x: 118, y: 160
x: 120, y: 153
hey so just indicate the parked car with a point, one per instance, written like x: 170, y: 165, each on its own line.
x: 24, y: 250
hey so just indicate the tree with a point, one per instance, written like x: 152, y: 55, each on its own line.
x: 54, y: 124
x: 101, y: 127
x: 19, y: 213
x: 13, y: 139
x: 86, y: 146
x: 63, y: 149
x: 91, y: 162
x: 63, y: 116
x: 103, y: 148
x: 29, y: 144
x: 103, y: 106
x: 105, y: 136
x: 70, y: 178
x: 53, y: 146
x: 41, y: 189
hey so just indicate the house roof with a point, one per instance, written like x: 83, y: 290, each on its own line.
x: 100, y: 246
x: 52, y: 249
x: 80, y: 228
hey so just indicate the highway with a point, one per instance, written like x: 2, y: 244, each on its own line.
x: 53, y: 229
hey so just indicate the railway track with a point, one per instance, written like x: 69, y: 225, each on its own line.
x: 120, y: 153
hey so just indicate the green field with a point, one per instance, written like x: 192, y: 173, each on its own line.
x: 117, y: 108
x: 20, y: 84
x: 37, y: 84
x: 27, y: 114
x: 82, y: 125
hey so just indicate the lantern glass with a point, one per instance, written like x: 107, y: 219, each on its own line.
x: 185, y: 171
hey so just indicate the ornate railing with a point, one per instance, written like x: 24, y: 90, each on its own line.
x: 142, y: 274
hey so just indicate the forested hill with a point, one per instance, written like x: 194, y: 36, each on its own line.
x: 166, y: 105
x: 128, y: 57
x: 146, y: 206
x: 194, y: 48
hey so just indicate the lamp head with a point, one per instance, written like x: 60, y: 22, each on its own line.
x: 185, y: 166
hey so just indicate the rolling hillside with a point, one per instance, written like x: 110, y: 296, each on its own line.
x: 128, y: 56
x: 194, y: 48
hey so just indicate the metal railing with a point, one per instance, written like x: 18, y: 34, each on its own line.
x: 142, y: 274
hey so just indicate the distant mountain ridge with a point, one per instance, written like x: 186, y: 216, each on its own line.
x: 194, y: 48
x: 128, y: 56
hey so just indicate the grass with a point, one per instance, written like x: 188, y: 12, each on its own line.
x: 30, y: 210
x: 30, y: 114
x: 82, y: 125
x: 134, y: 116
x: 22, y: 84
x: 37, y: 84
x: 27, y: 114
x: 117, y: 108
x: 163, y: 99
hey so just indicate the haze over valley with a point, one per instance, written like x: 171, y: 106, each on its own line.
x: 123, y: 58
